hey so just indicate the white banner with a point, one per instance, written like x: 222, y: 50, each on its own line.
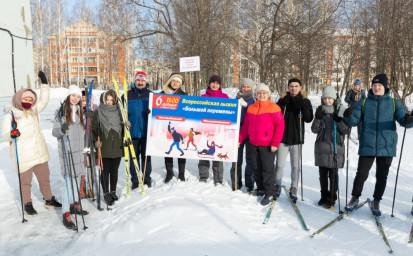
x: 189, y: 64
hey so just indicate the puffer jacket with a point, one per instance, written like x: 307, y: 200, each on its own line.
x: 31, y: 145
x: 324, y: 143
x: 291, y: 109
x: 263, y: 123
x: 76, y: 135
x: 378, y: 118
x: 216, y: 94
x: 138, y: 102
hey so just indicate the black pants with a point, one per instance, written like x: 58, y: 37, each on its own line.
x: 382, y: 170
x: 169, y: 164
x: 327, y: 174
x: 110, y: 172
x: 262, y: 161
x: 249, y: 177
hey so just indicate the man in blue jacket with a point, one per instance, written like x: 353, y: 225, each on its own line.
x: 138, y: 110
x: 377, y: 114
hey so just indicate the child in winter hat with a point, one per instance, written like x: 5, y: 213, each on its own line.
x: 329, y: 127
x: 381, y: 79
x: 74, y: 89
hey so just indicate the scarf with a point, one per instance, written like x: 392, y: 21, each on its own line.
x: 109, y: 119
x: 246, y: 96
x: 328, y: 109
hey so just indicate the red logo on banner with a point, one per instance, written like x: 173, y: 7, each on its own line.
x: 211, y: 121
x: 165, y: 101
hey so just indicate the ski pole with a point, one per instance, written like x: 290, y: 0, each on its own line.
x: 301, y: 155
x: 348, y: 140
x: 397, y: 174
x: 77, y: 185
x: 236, y: 176
x: 100, y: 165
x: 15, y: 133
x: 144, y: 169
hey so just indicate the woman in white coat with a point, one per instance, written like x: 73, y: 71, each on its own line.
x: 32, y: 151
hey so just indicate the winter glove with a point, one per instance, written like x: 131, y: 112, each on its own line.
x: 42, y: 77
x: 98, y: 144
x: 336, y: 118
x: 242, y: 102
x: 148, y: 111
x: 346, y: 113
x: 408, y: 119
x: 319, y: 113
x: 65, y: 127
x: 127, y: 124
x: 89, y: 114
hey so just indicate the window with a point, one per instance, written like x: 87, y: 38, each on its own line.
x: 92, y: 69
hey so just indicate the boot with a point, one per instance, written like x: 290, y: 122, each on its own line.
x: 52, y: 203
x: 76, y: 210
x: 325, y: 202
x: 257, y: 192
x: 67, y: 221
x: 277, y: 191
x: 29, y: 210
x: 375, y: 207
x: 108, y: 199
x: 135, y: 185
x: 293, y: 194
x: 90, y: 193
x: 266, y: 200
x: 352, y: 204
x: 182, y: 153
x: 83, y: 193
x: 181, y: 176
x: 169, y: 176
x: 114, y: 196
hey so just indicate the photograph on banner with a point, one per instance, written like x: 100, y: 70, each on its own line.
x: 193, y: 127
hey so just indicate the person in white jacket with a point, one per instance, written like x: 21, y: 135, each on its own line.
x: 32, y: 152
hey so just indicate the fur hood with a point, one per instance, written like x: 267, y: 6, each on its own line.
x: 166, y: 88
x: 303, y: 93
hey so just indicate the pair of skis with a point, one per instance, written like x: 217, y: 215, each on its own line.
x: 346, y: 213
x: 293, y: 204
x: 128, y: 145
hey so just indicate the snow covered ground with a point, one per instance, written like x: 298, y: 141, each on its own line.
x: 192, y: 218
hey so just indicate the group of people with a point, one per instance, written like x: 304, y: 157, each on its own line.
x: 268, y: 133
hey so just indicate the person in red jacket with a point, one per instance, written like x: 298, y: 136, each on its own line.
x: 264, y: 124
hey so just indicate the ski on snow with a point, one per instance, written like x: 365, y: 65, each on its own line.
x: 297, y: 211
x: 380, y: 227
x: 268, y: 215
x: 338, y: 218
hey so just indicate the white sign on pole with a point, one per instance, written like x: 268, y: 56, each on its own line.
x: 189, y: 64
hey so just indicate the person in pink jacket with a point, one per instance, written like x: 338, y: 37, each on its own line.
x: 264, y: 124
x: 214, y: 90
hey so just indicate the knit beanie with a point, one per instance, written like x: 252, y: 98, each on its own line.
x: 74, y: 89
x: 248, y: 82
x: 357, y: 82
x: 16, y: 101
x: 294, y: 80
x: 262, y: 87
x: 215, y: 78
x: 141, y: 75
x: 381, y: 79
x: 329, y: 92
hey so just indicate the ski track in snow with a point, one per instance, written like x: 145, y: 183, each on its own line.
x: 192, y: 218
